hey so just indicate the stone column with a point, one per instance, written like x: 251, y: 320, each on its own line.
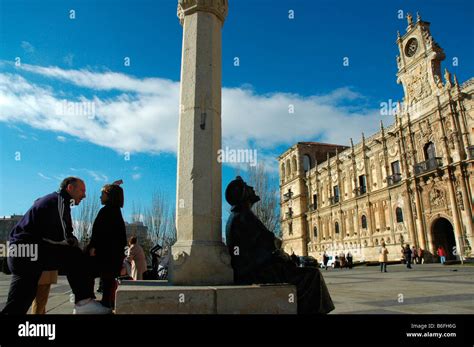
x: 462, y: 121
x: 448, y: 178
x: 466, y: 201
x: 199, y: 255
x: 405, y: 168
x: 419, y: 212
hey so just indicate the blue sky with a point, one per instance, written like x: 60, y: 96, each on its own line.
x: 282, y: 61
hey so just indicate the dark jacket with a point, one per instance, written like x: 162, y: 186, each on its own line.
x: 407, y: 253
x: 109, y: 238
x: 49, y: 219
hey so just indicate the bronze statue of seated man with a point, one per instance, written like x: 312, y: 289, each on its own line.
x: 257, y: 258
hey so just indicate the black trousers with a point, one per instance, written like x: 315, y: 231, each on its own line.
x: 108, y: 270
x: 26, y: 273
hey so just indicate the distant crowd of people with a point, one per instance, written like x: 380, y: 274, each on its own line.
x: 409, y: 256
x: 341, y: 260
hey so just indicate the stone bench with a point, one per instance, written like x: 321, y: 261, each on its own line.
x: 159, y: 297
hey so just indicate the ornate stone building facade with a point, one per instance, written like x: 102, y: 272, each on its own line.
x: 411, y: 182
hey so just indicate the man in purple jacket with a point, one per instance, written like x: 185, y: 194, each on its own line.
x: 47, y: 226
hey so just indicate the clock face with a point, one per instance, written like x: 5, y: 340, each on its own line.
x: 411, y: 47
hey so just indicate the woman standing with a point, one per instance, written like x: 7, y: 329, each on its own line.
x: 383, y: 258
x: 136, y: 256
x: 108, y: 240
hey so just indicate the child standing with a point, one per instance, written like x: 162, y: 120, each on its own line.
x: 108, y: 241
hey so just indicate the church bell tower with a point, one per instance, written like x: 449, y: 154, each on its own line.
x: 419, y: 62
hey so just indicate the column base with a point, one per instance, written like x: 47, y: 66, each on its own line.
x: 200, y: 263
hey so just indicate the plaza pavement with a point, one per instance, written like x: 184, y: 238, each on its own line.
x: 426, y: 289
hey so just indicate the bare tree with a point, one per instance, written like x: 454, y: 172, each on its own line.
x: 85, y: 215
x: 267, y: 209
x: 170, y: 236
x: 160, y: 220
x: 137, y: 215
x: 155, y: 217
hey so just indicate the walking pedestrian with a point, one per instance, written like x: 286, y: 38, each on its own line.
x: 420, y: 256
x: 414, y: 255
x: 349, y: 259
x: 325, y: 260
x: 383, y: 258
x: 407, y: 253
x: 442, y: 254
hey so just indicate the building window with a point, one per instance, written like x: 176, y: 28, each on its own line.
x: 294, y: 167
x: 336, y: 227
x: 396, y: 168
x: 363, y: 221
x: 315, y: 231
x: 429, y: 151
x: 336, y: 193
x: 306, y: 163
x: 290, y: 228
x: 362, y: 184
x: 399, y: 214
x: 315, y: 201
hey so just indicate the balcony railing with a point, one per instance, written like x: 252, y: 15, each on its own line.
x: 360, y: 190
x: 287, y: 196
x: 394, y: 179
x: 470, y: 152
x: 428, y: 165
x: 334, y: 200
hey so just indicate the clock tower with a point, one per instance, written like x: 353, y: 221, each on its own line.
x: 419, y: 63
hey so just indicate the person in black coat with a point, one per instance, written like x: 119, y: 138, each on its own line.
x: 407, y: 254
x: 108, y: 241
x: 257, y: 259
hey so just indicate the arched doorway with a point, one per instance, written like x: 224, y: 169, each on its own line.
x: 443, y: 235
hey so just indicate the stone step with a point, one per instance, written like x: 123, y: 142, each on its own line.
x: 159, y: 297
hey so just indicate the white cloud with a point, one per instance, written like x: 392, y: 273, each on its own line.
x: 143, y: 117
x: 136, y: 176
x: 97, y: 176
x: 61, y: 138
x: 44, y: 176
x: 27, y: 47
x: 126, y: 123
x: 107, y: 80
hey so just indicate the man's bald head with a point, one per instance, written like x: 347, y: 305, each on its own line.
x: 75, y: 187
